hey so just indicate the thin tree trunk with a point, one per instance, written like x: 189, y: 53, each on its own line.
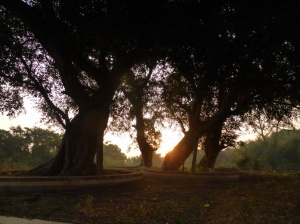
x: 203, y: 164
x: 194, y: 160
x: 146, y: 151
x: 144, y: 146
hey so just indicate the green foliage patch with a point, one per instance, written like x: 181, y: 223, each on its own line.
x: 280, y: 152
x: 23, y: 148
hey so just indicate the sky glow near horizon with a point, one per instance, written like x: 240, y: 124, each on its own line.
x: 170, y: 137
x: 31, y: 118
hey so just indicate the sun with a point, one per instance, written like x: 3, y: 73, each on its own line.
x: 169, y: 138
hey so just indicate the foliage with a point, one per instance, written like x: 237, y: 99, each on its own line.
x: 112, y: 156
x: 225, y: 58
x: 264, y: 123
x: 137, y: 106
x: 157, y: 160
x: 25, y: 66
x: 244, y: 61
x: 45, y: 144
x: 10, y: 98
x: 90, y: 45
x: 24, y: 148
x: 280, y: 151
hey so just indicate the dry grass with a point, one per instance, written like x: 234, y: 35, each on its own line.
x: 256, y: 198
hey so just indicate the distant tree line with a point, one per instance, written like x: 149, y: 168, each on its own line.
x: 24, y: 148
x: 280, y: 152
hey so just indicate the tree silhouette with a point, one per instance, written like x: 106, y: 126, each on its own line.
x: 245, y: 59
x: 92, y: 45
x: 226, y: 58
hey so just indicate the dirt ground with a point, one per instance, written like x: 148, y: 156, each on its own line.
x: 255, y: 198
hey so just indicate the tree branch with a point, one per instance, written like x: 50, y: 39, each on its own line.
x: 59, y: 114
x: 56, y: 42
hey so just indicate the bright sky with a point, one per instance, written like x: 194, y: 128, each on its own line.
x: 29, y: 118
x: 32, y: 118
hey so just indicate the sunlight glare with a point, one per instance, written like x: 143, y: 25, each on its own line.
x: 170, y: 138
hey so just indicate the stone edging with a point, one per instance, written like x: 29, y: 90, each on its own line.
x: 29, y: 183
x: 212, y: 175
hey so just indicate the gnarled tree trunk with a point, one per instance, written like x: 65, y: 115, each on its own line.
x: 135, y: 96
x: 145, y: 148
x: 189, y: 143
x: 82, y: 140
x: 181, y: 151
x: 212, y: 148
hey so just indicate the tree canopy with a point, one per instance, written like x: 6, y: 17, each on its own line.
x: 92, y: 45
x: 247, y: 62
x: 222, y: 59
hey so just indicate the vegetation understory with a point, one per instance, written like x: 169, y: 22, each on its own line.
x: 258, y: 197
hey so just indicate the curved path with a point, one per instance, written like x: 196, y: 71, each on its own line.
x: 124, y: 174
x: 217, y: 174
x: 31, y: 183
x: 15, y: 220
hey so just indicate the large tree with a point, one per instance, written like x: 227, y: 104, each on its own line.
x: 91, y: 50
x: 91, y: 45
x: 231, y: 55
x: 139, y: 89
x: 245, y: 59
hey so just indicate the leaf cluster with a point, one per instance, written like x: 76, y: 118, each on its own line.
x: 27, y: 146
x: 210, y: 60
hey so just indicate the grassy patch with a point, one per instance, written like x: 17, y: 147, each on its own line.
x: 256, y: 198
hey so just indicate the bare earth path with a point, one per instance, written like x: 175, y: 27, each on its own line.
x: 256, y: 198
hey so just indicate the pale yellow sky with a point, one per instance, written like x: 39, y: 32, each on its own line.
x: 29, y: 118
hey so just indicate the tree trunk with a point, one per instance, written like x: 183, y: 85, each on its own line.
x: 181, y: 151
x: 82, y: 140
x: 99, y: 156
x: 144, y: 146
x: 194, y: 160
x: 203, y: 164
x: 84, y: 134
x: 212, y: 148
x: 147, y: 157
x: 146, y: 150
x: 208, y: 161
